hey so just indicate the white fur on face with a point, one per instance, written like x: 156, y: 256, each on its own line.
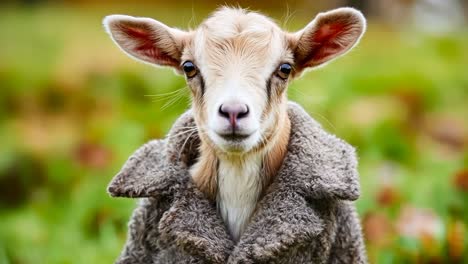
x: 236, y: 54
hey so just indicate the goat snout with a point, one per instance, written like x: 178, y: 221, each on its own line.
x: 233, y: 112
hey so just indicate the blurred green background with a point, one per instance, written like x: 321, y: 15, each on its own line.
x: 73, y: 108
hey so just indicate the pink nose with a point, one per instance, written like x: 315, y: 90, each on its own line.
x: 233, y: 112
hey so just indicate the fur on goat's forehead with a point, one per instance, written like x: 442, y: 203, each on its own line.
x: 230, y: 22
x: 237, y: 35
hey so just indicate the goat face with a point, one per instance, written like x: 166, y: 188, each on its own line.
x: 237, y: 65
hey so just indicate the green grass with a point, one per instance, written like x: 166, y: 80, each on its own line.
x: 73, y: 108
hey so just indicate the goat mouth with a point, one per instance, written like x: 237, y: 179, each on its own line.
x: 234, y: 137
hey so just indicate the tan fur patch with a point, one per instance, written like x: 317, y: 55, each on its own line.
x: 204, y: 172
x: 274, y: 158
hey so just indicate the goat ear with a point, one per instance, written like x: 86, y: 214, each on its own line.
x: 328, y: 36
x: 146, y: 39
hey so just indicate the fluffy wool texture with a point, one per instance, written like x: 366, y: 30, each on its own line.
x: 306, y: 215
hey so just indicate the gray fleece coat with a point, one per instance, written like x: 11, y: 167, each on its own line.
x: 306, y: 216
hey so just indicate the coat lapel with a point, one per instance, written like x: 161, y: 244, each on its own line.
x: 283, y: 221
x: 193, y: 224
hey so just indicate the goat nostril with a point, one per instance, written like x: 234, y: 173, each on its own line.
x: 244, y: 112
x: 222, y: 112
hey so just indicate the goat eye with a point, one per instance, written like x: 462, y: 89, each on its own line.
x: 189, y: 69
x: 284, y: 70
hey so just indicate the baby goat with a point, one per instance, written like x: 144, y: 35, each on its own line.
x: 238, y: 65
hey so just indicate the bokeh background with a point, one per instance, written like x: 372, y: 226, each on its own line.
x: 73, y: 108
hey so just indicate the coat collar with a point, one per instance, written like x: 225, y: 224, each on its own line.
x: 318, y: 166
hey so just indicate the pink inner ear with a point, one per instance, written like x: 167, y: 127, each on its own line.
x: 328, y: 32
x: 146, y: 46
x: 327, y: 41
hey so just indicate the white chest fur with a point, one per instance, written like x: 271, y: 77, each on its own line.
x: 239, y: 186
